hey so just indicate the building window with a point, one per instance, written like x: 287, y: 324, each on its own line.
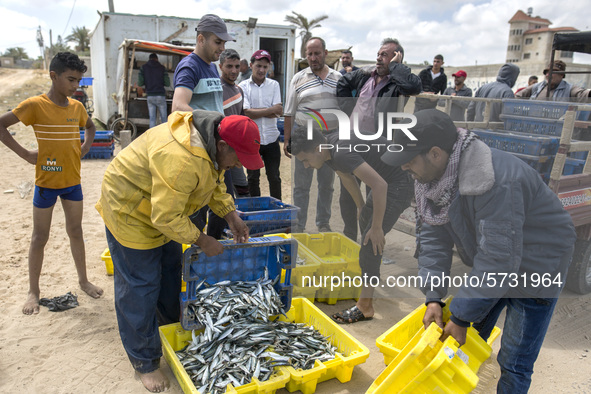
x: 567, y: 54
x: 528, y: 41
x: 526, y: 56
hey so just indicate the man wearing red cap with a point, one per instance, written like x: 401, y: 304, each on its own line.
x: 262, y: 103
x: 148, y: 193
x: 458, y: 108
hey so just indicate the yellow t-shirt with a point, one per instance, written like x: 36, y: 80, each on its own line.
x: 58, y: 135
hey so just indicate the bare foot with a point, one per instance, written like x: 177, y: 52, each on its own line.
x: 91, y: 290
x: 155, y: 381
x: 31, y: 306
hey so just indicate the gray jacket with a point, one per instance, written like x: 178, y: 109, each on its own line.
x: 458, y: 108
x: 501, y: 88
x: 505, y: 223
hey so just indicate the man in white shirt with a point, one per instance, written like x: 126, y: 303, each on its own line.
x: 262, y: 103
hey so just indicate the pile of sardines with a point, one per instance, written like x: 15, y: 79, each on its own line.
x: 240, y: 342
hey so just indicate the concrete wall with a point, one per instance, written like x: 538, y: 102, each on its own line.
x: 480, y: 75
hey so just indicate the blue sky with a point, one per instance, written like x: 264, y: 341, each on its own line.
x: 465, y: 32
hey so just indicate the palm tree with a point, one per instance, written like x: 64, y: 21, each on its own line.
x: 18, y: 53
x: 302, y: 23
x: 80, y: 37
x: 59, y: 46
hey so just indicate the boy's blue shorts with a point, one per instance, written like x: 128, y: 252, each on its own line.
x: 45, y: 198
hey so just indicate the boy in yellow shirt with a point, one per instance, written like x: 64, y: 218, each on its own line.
x: 56, y: 120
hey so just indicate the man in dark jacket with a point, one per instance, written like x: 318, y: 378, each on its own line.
x: 496, y: 210
x: 154, y: 76
x: 434, y: 81
x: 371, y: 94
x: 501, y: 88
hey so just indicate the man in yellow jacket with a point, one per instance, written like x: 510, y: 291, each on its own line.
x: 148, y: 193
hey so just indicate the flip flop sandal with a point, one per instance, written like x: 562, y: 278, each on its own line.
x: 349, y: 316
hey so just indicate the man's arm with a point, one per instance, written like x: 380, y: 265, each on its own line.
x: 272, y: 112
x: 379, y: 191
x: 287, y: 135
x: 88, y: 137
x: 181, y: 99
x: 581, y: 94
x: 525, y: 93
x: 408, y: 83
x: 347, y: 88
x: 7, y: 120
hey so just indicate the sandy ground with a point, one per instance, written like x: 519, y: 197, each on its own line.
x: 79, y: 351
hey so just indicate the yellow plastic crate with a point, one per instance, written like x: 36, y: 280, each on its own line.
x: 106, y: 257
x: 396, y: 338
x: 310, y: 269
x: 350, y: 352
x: 304, y: 292
x: 427, y: 365
x: 175, y: 338
x: 333, y: 249
x: 340, y: 257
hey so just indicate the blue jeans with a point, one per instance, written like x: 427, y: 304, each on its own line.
x: 301, y: 192
x: 157, y: 103
x: 147, y: 287
x: 526, y: 323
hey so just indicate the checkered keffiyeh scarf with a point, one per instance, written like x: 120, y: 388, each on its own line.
x: 434, y: 198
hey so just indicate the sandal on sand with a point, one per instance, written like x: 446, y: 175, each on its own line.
x: 351, y: 315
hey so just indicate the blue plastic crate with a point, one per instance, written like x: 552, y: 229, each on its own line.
x: 100, y: 152
x: 86, y: 81
x: 578, y: 155
x: 524, y: 124
x: 529, y: 144
x: 265, y: 208
x: 281, y: 128
x: 100, y: 135
x: 542, y: 164
x: 573, y: 166
x: 535, y: 108
x: 258, y: 228
x: 98, y: 155
x: 245, y: 262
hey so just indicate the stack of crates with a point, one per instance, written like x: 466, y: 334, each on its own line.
x: 248, y: 262
x: 417, y: 361
x: 103, y: 145
x: 532, y: 133
x: 332, y: 263
x: 265, y: 215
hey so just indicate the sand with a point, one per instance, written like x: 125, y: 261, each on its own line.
x: 79, y: 350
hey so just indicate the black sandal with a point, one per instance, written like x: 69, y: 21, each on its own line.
x: 349, y: 316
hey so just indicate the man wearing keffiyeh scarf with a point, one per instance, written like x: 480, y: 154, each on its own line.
x: 434, y: 198
x: 495, y: 210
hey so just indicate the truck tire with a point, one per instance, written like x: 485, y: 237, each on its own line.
x: 120, y: 124
x: 578, y: 278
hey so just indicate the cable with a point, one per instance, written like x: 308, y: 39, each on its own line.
x: 68, y: 22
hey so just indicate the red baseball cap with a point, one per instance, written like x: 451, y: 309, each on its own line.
x: 460, y: 73
x: 262, y: 54
x: 242, y: 134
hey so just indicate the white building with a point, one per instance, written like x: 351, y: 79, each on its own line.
x: 113, y: 28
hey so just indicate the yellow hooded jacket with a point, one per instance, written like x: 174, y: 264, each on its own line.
x: 152, y: 187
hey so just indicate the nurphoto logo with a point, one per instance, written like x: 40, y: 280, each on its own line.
x: 345, y: 125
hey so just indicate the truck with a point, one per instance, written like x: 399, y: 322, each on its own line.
x: 528, y: 129
x: 114, y: 28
